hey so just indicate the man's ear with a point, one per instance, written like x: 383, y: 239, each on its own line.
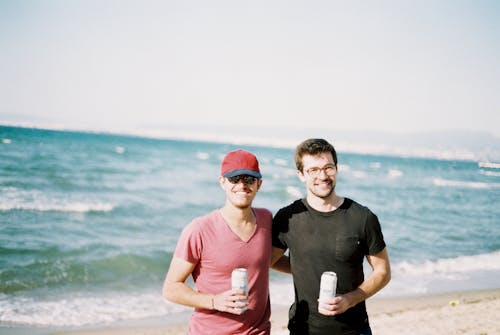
x: 259, y: 184
x: 221, y: 181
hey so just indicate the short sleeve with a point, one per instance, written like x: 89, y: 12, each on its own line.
x: 190, y: 244
x: 374, y: 237
x: 280, y: 222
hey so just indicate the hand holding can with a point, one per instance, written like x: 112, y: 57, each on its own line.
x: 239, y: 281
x: 328, y: 287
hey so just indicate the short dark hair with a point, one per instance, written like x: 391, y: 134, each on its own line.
x: 313, y: 146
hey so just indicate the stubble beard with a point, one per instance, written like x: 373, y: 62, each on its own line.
x: 323, y: 195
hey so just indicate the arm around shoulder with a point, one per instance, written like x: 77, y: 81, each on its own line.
x: 279, y: 261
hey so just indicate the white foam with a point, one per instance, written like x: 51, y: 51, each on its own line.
x: 6, y: 141
x: 280, y: 162
x: 463, y: 184
x: 414, y: 278
x: 456, y: 265
x: 444, y: 275
x: 77, y: 207
x: 85, y: 310
x: 202, y: 155
x: 490, y: 173
x: 395, y: 173
x: 489, y: 165
x: 408, y: 278
x: 34, y: 200
x: 119, y: 150
x: 107, y: 308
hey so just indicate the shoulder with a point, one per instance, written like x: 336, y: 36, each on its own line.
x: 295, y: 207
x: 264, y: 215
x: 361, y: 212
x: 201, y: 223
x: 261, y: 211
x: 355, y: 206
x: 289, y: 213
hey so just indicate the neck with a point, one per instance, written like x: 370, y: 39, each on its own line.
x: 241, y: 221
x: 328, y: 204
x: 237, y: 216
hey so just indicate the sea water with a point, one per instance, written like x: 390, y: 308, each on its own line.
x: 89, y: 221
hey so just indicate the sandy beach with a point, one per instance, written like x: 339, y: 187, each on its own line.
x: 474, y: 312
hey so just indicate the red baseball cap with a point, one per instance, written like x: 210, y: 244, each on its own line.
x: 240, y: 162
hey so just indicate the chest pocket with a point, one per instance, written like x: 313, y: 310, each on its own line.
x: 348, y: 248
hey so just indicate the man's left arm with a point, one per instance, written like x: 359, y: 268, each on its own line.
x: 380, y: 276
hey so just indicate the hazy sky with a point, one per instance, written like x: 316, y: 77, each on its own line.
x: 378, y: 65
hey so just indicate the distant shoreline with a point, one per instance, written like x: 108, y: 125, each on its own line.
x: 450, y: 145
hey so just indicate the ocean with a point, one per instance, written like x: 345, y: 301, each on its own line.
x: 89, y: 221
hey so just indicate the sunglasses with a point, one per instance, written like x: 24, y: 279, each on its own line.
x: 248, y: 180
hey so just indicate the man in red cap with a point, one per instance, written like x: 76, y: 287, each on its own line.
x: 212, y: 246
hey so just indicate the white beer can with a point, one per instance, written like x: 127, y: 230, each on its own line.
x: 239, y: 280
x: 328, y: 285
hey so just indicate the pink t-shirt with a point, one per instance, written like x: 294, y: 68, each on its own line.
x: 216, y: 250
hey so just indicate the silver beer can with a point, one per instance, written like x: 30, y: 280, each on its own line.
x: 239, y: 280
x: 328, y: 285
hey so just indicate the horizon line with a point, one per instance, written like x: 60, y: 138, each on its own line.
x: 405, y: 150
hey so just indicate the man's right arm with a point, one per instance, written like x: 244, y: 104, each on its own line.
x: 176, y: 290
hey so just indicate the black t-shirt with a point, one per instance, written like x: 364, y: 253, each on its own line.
x: 333, y: 241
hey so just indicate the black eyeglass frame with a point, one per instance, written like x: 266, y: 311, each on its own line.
x: 247, y: 180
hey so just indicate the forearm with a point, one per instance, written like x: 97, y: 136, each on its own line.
x: 282, y: 265
x: 370, y: 286
x: 181, y: 293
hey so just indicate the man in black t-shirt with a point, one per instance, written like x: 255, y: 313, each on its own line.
x: 326, y: 232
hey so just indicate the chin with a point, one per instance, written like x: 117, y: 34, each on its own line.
x: 243, y: 206
x: 324, y: 195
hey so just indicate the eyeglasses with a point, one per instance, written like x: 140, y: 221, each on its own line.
x: 329, y: 170
x: 247, y: 180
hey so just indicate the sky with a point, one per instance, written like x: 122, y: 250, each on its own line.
x: 390, y: 66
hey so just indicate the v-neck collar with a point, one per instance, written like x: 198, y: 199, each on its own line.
x: 228, y: 226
